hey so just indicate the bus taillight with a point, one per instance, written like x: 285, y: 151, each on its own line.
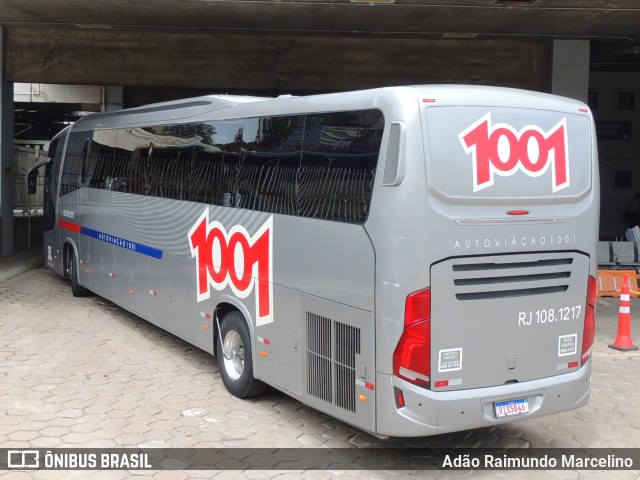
x: 588, y: 336
x: 412, y: 356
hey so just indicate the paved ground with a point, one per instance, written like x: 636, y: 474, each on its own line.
x: 85, y: 373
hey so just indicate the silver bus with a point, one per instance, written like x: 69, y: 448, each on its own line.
x: 410, y: 260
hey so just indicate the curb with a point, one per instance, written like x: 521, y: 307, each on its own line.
x: 10, y: 269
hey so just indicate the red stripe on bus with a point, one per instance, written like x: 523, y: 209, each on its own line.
x: 69, y: 226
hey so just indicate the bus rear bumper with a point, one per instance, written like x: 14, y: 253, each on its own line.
x: 430, y: 413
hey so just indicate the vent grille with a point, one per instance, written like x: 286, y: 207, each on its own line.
x: 479, y: 281
x: 393, y: 156
x: 331, y: 361
x: 319, y: 380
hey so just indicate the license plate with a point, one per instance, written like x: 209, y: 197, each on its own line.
x: 512, y: 408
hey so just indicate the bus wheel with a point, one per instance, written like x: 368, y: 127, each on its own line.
x: 234, y: 357
x: 77, y: 290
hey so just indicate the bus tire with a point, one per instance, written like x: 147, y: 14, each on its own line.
x: 77, y: 290
x: 234, y: 357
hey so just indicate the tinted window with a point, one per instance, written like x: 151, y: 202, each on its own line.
x: 152, y: 161
x: 50, y: 183
x: 338, y: 164
x: 127, y: 169
x: 271, y: 151
x: 100, y: 155
x: 73, y: 168
x: 165, y: 166
x: 214, y: 170
x: 319, y: 165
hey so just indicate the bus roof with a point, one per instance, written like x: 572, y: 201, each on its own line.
x: 176, y: 110
x: 179, y: 111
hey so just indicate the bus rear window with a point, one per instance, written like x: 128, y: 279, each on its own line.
x: 485, y: 152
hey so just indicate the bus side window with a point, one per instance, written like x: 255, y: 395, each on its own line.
x: 164, y: 170
x: 271, y: 151
x: 214, y: 168
x: 73, y: 168
x: 338, y: 164
x: 99, y: 157
x: 132, y: 146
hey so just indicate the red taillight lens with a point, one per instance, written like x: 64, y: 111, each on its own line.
x: 399, y: 397
x: 589, y: 333
x: 412, y: 356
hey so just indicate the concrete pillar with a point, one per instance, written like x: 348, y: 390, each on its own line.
x: 112, y: 98
x: 6, y: 157
x: 570, y: 69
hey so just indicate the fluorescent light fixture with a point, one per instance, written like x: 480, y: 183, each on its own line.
x: 94, y: 26
x: 373, y: 2
x: 460, y: 35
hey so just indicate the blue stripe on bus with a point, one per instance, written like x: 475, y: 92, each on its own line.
x: 122, y: 242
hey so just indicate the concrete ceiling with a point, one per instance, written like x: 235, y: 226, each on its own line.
x: 573, y: 18
x: 612, y: 25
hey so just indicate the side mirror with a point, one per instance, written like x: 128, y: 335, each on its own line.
x: 32, y: 176
x: 32, y: 182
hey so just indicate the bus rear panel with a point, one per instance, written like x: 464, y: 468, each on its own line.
x: 499, y: 311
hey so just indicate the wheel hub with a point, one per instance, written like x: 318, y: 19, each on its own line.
x: 233, y: 352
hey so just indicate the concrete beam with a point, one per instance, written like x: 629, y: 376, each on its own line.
x: 551, y: 18
x: 112, y: 98
x: 296, y: 64
x: 47, y: 93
